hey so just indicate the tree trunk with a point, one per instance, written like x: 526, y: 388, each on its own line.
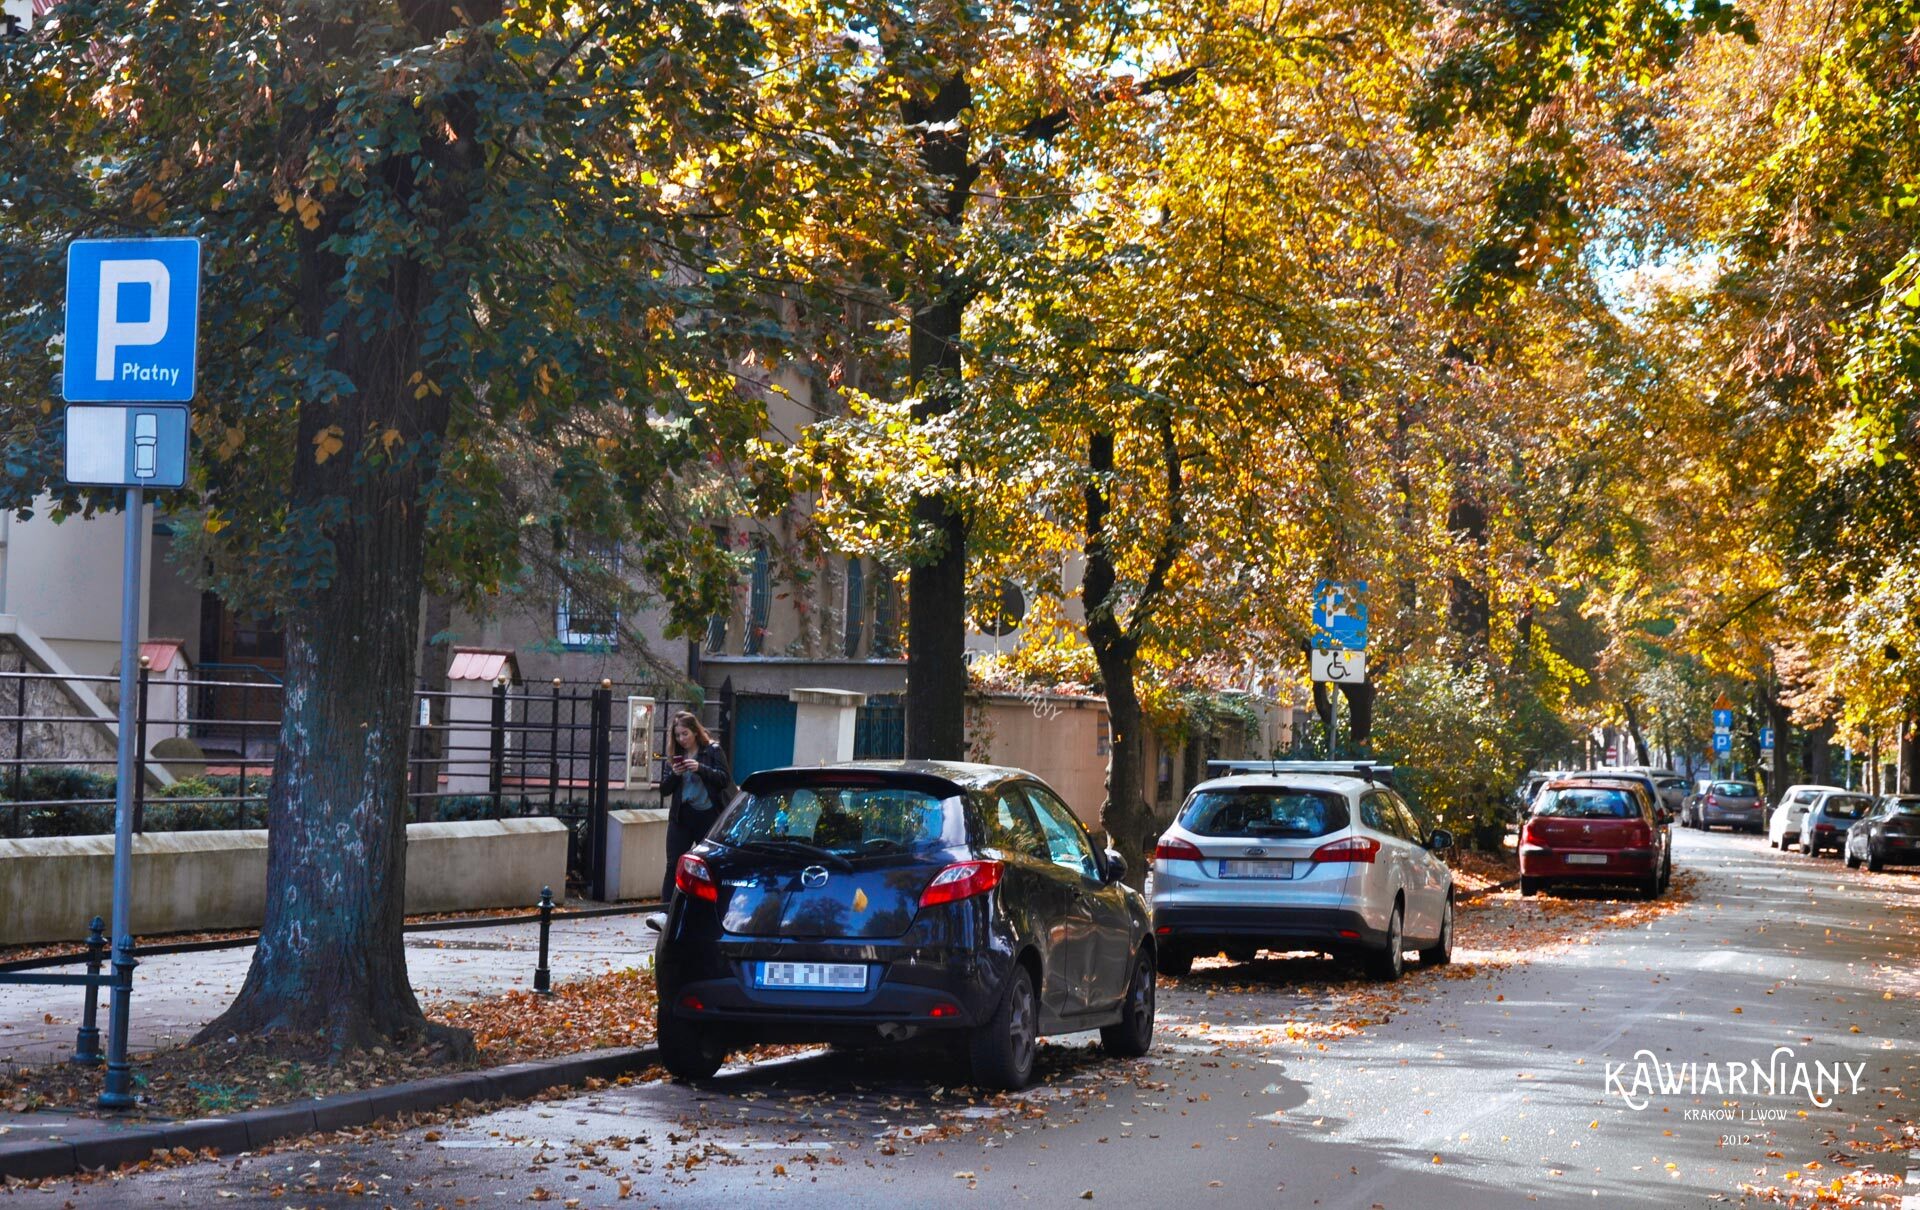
x: 1125, y: 815
x: 1909, y: 771
x: 1323, y: 707
x: 1360, y: 710
x: 1640, y: 753
x: 936, y: 724
x: 1819, y: 760
x: 330, y: 965
x: 1777, y: 719
x: 1468, y: 611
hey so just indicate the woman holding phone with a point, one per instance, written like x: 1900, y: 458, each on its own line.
x: 696, y: 783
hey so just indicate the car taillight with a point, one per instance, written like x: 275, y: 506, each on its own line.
x: 1176, y: 850
x: 693, y: 878
x: 1642, y: 834
x: 1712, y: 801
x: 961, y: 880
x: 1526, y: 834
x: 1824, y: 827
x: 1353, y: 848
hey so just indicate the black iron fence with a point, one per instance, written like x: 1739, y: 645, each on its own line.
x: 206, y: 747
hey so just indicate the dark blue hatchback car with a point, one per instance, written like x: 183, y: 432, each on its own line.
x: 880, y: 901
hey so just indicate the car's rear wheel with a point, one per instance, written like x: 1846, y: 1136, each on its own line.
x: 1650, y: 886
x: 1387, y: 962
x: 1132, y: 1035
x: 1002, y: 1050
x: 1529, y: 886
x: 1853, y: 863
x: 1874, y: 861
x: 686, y: 1051
x: 1441, y: 951
x: 1806, y: 847
x: 1174, y: 960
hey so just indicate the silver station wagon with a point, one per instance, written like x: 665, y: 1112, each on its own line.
x: 1296, y: 855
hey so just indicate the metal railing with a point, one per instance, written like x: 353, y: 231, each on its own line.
x: 488, y: 752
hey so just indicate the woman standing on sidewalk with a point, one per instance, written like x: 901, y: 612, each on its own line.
x: 697, y: 785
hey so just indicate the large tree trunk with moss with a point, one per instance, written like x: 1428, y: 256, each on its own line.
x: 331, y: 965
x: 1908, y: 773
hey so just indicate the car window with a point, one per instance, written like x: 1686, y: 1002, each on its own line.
x: 1902, y: 806
x: 1010, y: 825
x: 1379, y: 811
x: 1409, y: 822
x: 1067, y: 844
x: 1734, y: 789
x: 1845, y: 806
x: 1589, y: 802
x: 1275, y: 812
x: 846, y: 820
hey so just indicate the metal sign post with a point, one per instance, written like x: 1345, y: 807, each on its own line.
x: 118, y: 1093
x: 133, y: 313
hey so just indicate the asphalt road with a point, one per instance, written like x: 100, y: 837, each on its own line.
x: 1481, y: 1087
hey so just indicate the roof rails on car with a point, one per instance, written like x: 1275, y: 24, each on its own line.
x: 1336, y: 768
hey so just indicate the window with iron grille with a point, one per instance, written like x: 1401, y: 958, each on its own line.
x: 856, y: 606
x: 880, y: 729
x: 759, y: 600
x: 585, y: 620
x: 886, y: 616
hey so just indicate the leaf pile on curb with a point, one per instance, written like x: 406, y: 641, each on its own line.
x: 615, y: 1009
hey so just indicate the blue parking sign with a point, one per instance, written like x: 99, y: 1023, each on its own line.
x: 1340, y: 614
x: 1722, y: 742
x: 133, y: 314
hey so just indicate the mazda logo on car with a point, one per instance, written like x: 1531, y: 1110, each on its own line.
x: 813, y: 876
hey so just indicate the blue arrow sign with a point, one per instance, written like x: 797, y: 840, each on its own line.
x: 1722, y: 742
x: 1723, y: 720
x: 1340, y: 614
x: 133, y: 315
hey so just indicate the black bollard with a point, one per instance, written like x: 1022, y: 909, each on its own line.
x: 542, y: 977
x: 86, y: 1046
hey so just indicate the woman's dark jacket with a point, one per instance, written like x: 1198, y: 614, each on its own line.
x: 712, y: 771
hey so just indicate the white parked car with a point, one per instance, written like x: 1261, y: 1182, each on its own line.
x: 1783, y: 828
x: 1302, y: 856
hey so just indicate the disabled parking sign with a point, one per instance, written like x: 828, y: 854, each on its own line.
x: 133, y: 309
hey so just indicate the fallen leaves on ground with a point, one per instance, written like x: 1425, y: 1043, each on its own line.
x: 615, y: 1009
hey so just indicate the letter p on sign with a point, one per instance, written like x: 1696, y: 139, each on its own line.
x: 133, y: 309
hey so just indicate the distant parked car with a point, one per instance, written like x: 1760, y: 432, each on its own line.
x: 877, y: 901
x: 1673, y: 792
x: 1889, y: 834
x: 1733, y: 803
x: 1590, y: 830
x: 1301, y: 860
x: 1826, y: 822
x: 1783, y: 828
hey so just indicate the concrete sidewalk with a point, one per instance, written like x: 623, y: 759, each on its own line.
x: 175, y: 994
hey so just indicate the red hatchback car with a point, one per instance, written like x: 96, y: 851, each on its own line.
x: 1593, y: 831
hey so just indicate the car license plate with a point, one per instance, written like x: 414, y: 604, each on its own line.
x: 1586, y: 859
x: 813, y: 976
x: 1256, y: 869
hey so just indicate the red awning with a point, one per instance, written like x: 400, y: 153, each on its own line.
x: 160, y: 654
x: 470, y: 664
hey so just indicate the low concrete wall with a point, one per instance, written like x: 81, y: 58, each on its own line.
x: 494, y: 863
x: 190, y: 881
x: 636, y: 853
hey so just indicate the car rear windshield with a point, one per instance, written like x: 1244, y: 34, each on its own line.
x: 847, y: 821
x: 1277, y: 813
x: 1904, y: 806
x: 1850, y: 807
x: 1588, y: 802
x: 1734, y: 789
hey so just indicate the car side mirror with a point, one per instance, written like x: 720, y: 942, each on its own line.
x: 1440, y: 841
x: 1116, y: 866
x: 1664, y: 815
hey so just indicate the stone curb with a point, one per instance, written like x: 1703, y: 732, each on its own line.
x: 104, y: 1147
